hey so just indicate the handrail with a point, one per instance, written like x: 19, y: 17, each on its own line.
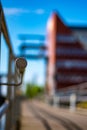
x: 13, y: 84
x: 5, y: 31
x: 4, y: 108
x: 12, y: 78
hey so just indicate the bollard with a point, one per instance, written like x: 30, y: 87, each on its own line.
x: 56, y: 100
x: 73, y: 102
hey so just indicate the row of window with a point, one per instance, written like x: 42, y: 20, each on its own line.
x: 66, y: 38
x: 71, y: 52
x: 72, y: 64
x: 72, y: 78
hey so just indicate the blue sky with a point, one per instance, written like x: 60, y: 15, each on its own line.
x: 30, y: 17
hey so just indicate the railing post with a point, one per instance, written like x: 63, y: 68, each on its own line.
x: 9, y: 92
x: 15, y: 101
x: 13, y: 90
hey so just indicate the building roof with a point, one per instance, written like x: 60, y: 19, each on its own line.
x: 81, y: 27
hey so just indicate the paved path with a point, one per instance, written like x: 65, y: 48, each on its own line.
x: 40, y: 116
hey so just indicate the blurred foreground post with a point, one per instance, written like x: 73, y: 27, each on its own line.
x: 9, y: 120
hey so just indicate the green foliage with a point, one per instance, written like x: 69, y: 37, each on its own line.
x: 33, y: 90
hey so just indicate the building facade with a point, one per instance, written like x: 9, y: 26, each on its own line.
x: 67, y: 56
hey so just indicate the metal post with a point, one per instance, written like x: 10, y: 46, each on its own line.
x: 9, y: 90
x: 0, y: 28
x: 16, y: 108
x: 0, y: 86
x: 13, y: 89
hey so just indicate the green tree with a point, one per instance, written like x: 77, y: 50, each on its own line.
x: 32, y: 90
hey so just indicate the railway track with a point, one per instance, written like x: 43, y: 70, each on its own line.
x: 52, y: 121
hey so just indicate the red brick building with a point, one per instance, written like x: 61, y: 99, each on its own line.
x: 67, y: 58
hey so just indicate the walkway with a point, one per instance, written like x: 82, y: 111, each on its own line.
x: 40, y: 116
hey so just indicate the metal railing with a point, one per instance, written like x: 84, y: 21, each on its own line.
x: 9, y: 105
x: 3, y: 108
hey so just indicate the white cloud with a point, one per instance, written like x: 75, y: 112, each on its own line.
x: 16, y: 11
x: 39, y: 11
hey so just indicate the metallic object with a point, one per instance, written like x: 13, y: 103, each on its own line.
x: 4, y: 108
x: 21, y: 64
